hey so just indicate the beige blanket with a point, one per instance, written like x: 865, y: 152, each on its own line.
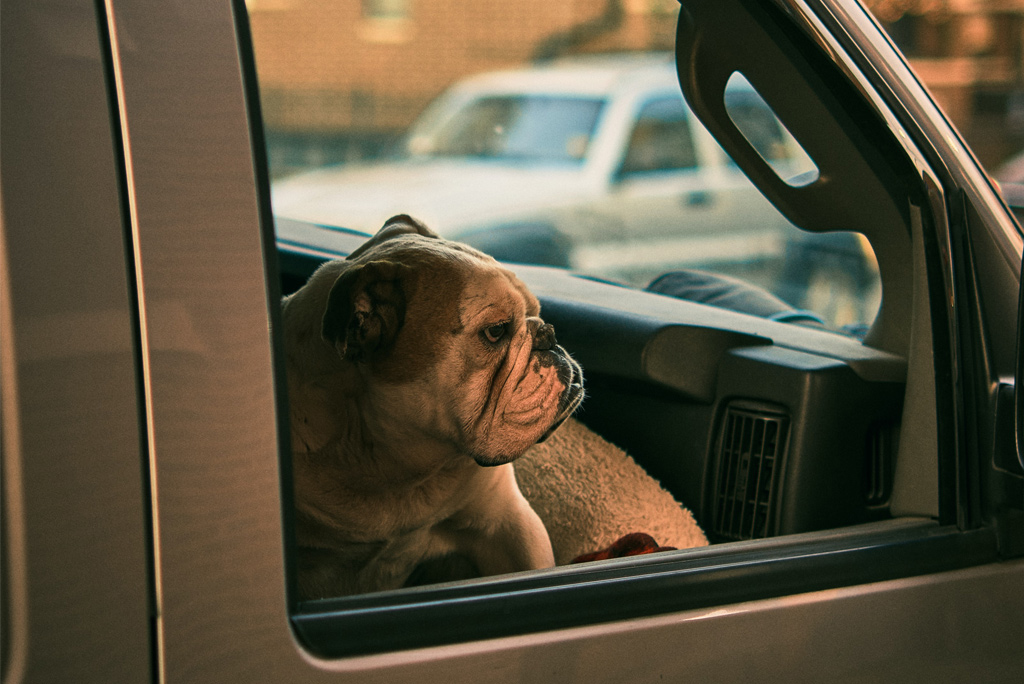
x: 589, y: 493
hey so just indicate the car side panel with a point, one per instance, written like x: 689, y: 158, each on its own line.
x: 76, y: 598
x: 927, y: 629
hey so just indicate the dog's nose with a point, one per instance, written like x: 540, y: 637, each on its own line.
x: 543, y: 333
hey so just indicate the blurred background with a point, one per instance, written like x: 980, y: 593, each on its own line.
x: 341, y: 79
x: 557, y: 135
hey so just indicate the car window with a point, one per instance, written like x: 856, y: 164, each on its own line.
x: 661, y: 139
x: 794, y: 430
x: 475, y: 143
x: 558, y: 162
x: 766, y: 134
x: 527, y: 128
x: 752, y: 116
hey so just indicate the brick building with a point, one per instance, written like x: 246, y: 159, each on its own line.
x: 341, y: 77
x: 970, y: 54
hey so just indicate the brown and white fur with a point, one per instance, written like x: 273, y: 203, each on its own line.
x: 418, y: 370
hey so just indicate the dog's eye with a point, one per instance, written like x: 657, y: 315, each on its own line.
x: 494, y: 333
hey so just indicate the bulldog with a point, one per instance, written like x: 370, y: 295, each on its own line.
x: 418, y: 371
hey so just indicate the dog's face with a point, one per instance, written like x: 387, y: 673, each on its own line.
x: 450, y: 344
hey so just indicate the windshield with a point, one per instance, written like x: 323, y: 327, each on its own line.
x: 530, y: 127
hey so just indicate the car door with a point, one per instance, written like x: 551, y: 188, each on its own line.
x: 76, y: 550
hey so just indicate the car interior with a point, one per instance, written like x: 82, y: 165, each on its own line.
x: 765, y: 429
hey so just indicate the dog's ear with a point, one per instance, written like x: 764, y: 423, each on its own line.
x: 403, y: 224
x: 366, y: 308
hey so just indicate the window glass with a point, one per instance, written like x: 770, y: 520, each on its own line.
x: 566, y: 161
x: 755, y: 120
x: 766, y: 134
x: 510, y: 127
x: 661, y: 139
x: 579, y: 148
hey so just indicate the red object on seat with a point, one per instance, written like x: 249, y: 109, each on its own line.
x: 632, y: 544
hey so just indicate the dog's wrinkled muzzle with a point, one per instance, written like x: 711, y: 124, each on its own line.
x: 570, y: 374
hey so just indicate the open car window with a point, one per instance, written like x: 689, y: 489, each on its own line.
x: 747, y: 274
x: 660, y: 139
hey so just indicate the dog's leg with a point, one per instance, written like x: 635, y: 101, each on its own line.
x: 506, y: 534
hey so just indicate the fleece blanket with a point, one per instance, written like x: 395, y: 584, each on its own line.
x: 591, y: 495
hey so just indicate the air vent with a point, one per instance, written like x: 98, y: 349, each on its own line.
x: 878, y: 475
x: 751, y: 448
